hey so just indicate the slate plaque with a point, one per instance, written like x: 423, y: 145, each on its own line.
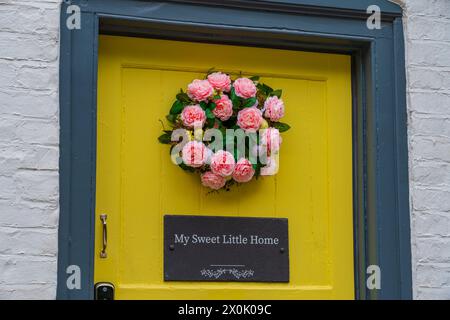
x: 199, y: 248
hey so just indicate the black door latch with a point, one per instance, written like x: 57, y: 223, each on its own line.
x: 104, y: 291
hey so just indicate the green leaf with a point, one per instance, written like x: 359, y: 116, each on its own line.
x: 235, y: 99
x: 210, y: 70
x: 165, y: 138
x: 177, y: 107
x: 264, y: 88
x: 209, y: 114
x: 233, y: 94
x: 186, y: 168
x: 210, y: 122
x: 216, y: 97
x: 249, y: 102
x: 172, y: 118
x: 212, y: 106
x: 277, y: 93
x: 254, y: 78
x: 257, y: 167
x: 204, y: 105
x: 282, y: 127
x: 183, y: 97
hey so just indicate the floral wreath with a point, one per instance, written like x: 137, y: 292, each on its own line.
x: 218, y: 104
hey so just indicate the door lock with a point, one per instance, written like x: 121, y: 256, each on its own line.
x: 104, y: 291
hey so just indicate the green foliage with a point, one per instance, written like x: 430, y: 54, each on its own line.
x: 209, y: 114
x: 282, y: 127
x: 172, y: 118
x: 235, y: 99
x: 183, y: 97
x: 277, y: 93
x: 249, y: 103
x: 177, y: 107
x: 166, y: 138
x: 255, y: 78
x: 264, y: 88
x: 186, y: 168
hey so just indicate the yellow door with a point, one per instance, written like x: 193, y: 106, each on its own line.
x: 137, y: 184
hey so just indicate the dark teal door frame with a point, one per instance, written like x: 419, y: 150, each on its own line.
x: 380, y: 161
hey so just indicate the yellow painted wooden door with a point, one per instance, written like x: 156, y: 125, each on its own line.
x: 137, y: 184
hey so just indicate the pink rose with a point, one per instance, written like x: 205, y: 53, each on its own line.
x: 270, y: 140
x: 222, y: 163
x: 244, y: 88
x: 274, y: 108
x: 220, y: 81
x: 250, y: 119
x: 194, y: 154
x: 200, y: 90
x: 193, y: 116
x: 224, y: 108
x: 243, y: 171
x: 213, y: 181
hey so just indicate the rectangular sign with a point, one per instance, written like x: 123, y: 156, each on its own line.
x: 202, y: 248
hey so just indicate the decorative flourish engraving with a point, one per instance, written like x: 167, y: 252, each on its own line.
x: 218, y: 273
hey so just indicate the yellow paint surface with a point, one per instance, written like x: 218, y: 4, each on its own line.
x: 137, y: 183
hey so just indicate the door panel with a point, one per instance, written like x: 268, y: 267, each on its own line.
x: 137, y: 184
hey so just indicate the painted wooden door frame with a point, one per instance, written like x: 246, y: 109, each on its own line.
x: 381, y: 191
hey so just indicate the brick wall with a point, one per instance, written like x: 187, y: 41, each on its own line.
x: 29, y: 134
x: 29, y: 47
x: 427, y: 33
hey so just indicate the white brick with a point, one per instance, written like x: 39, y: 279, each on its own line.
x: 37, y: 185
x: 433, y: 250
x: 29, y: 19
x: 426, y: 28
x: 29, y: 153
x: 27, y: 292
x: 21, y: 270
x: 29, y: 130
x: 28, y: 103
x: 429, y: 8
x: 28, y: 241
x: 431, y: 199
x: 429, y: 79
x: 27, y: 47
x: 432, y: 127
x: 432, y: 224
x: 433, y: 275
x: 41, y: 158
x: 28, y: 214
x: 428, y: 53
x: 429, y: 103
x: 442, y: 293
x: 431, y: 174
x: 7, y: 188
x: 436, y: 148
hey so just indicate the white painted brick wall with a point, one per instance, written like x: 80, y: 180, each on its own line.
x: 29, y: 152
x: 427, y: 32
x: 29, y: 131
